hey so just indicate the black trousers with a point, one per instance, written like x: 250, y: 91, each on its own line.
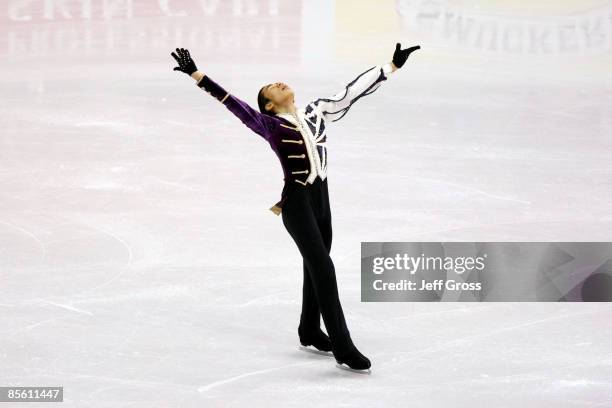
x: 307, y: 217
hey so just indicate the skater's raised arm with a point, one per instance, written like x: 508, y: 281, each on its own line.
x: 259, y: 123
x: 335, y: 107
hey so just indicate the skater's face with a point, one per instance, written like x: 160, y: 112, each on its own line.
x: 279, y: 95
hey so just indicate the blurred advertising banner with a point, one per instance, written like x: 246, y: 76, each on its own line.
x: 486, y: 271
x: 137, y: 28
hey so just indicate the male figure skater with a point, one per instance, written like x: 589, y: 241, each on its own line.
x: 298, y: 136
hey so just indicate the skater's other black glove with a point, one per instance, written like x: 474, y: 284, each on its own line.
x: 400, y: 56
x: 184, y: 61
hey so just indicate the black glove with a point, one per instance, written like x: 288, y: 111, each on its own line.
x: 185, y: 62
x: 400, y: 56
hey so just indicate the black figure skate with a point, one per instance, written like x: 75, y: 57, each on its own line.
x: 318, y: 340
x: 355, y: 362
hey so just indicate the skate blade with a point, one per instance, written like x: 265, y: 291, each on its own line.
x: 347, y: 368
x: 315, y: 351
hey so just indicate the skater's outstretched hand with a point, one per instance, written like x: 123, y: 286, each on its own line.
x: 400, y: 56
x: 185, y: 63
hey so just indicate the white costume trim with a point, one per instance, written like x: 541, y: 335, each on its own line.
x: 324, y: 110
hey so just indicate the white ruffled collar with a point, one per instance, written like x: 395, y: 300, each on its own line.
x: 299, y: 111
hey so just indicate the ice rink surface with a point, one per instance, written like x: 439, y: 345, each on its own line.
x: 140, y: 266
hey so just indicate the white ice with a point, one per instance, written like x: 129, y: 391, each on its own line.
x: 140, y: 265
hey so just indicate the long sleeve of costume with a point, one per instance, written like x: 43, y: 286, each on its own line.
x: 335, y: 107
x: 259, y: 123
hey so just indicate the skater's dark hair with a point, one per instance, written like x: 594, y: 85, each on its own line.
x: 262, y: 101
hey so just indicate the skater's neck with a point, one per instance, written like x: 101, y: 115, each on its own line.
x: 287, y: 109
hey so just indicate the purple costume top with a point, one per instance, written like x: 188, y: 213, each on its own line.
x: 299, y: 143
